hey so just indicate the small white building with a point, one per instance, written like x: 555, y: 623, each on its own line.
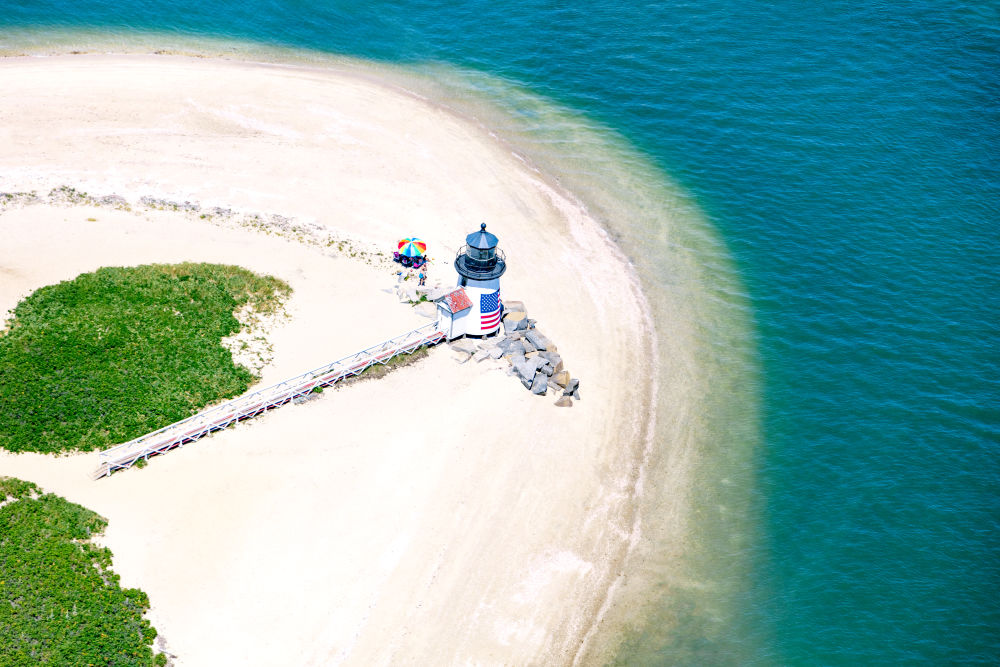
x: 453, y: 310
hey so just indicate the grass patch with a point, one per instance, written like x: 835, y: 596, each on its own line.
x: 61, y: 603
x: 117, y: 353
x: 381, y: 370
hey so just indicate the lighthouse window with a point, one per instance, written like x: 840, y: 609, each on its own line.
x: 483, y: 254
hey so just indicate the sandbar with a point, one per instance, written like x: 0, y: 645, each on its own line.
x: 439, y: 515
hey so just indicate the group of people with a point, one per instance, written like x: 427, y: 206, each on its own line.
x: 421, y: 270
x: 413, y: 262
x: 409, y: 262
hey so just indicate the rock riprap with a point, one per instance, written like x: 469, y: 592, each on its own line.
x: 532, y: 357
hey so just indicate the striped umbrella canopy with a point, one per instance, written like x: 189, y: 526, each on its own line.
x: 412, y: 247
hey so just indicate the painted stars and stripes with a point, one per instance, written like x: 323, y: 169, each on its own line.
x: 489, y: 310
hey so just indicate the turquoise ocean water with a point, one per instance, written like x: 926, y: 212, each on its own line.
x: 835, y: 171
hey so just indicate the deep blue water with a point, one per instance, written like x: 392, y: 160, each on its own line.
x: 849, y: 156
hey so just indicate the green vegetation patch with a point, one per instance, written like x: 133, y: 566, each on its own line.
x: 60, y: 603
x: 117, y: 353
x: 377, y: 371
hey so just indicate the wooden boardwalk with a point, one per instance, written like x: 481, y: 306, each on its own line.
x: 250, y: 405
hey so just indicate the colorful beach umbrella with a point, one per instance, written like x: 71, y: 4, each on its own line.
x: 412, y: 247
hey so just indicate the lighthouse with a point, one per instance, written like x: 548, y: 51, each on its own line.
x: 480, y: 264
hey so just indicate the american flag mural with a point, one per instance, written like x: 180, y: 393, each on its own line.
x: 489, y: 310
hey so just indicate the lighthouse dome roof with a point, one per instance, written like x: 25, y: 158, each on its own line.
x: 481, y: 239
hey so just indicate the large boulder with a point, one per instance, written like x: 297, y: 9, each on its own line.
x: 537, y: 339
x: 554, y: 359
x: 481, y: 355
x: 513, y: 351
x: 514, y: 315
x: 540, y: 384
x: 525, y: 371
x: 536, y: 362
x: 561, y: 378
x: 528, y: 368
x: 564, y: 402
x: 514, y: 306
x: 511, y: 346
x: 465, y: 345
x: 495, y: 352
x: 510, y: 326
x: 573, y: 389
x: 528, y: 347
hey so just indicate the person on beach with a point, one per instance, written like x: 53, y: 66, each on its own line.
x: 423, y: 277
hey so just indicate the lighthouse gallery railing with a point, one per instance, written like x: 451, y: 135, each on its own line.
x: 250, y: 405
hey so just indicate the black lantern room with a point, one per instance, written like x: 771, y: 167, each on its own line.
x: 479, y: 258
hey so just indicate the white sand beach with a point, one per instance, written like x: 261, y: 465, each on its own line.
x: 440, y: 515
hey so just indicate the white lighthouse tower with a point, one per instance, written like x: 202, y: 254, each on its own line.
x: 480, y: 264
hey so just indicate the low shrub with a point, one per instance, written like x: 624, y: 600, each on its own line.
x: 377, y: 371
x: 61, y: 602
x: 119, y: 352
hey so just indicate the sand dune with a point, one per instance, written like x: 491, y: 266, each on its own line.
x: 441, y: 515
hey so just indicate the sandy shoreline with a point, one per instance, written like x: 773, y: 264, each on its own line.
x: 336, y: 531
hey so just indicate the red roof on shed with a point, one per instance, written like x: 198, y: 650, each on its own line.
x: 456, y: 300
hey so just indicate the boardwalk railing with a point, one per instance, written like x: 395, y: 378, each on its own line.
x: 250, y: 405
